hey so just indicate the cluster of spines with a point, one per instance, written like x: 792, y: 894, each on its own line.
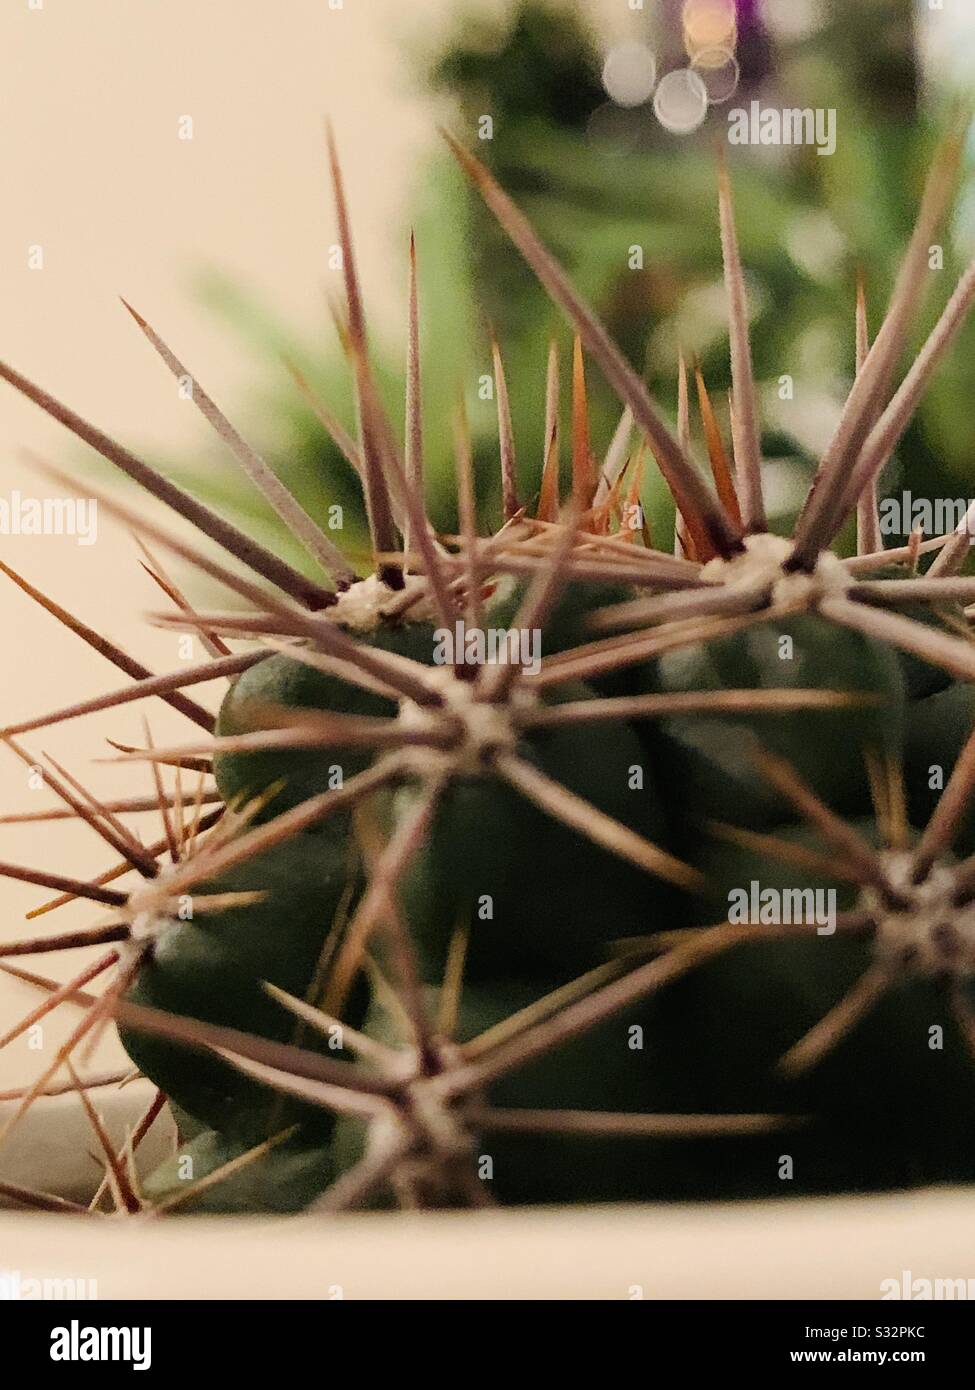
x: 557, y: 546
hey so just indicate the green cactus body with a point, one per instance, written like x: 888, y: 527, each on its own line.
x: 283, y: 1180
x: 610, y: 1069
x: 938, y: 728
x: 212, y: 968
x: 567, y: 626
x: 537, y: 895
x: 283, y: 682
x: 895, y: 1092
x: 920, y: 677
x: 596, y: 949
x: 712, y: 759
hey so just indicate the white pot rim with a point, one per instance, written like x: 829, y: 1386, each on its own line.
x: 789, y: 1249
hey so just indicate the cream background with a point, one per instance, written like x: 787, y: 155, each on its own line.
x: 92, y: 171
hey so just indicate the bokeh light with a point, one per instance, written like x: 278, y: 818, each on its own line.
x: 719, y: 71
x: 800, y: 18
x: 629, y: 73
x: 681, y: 101
x: 709, y: 24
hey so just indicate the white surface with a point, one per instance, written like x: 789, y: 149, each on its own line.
x: 817, y: 1250
x: 46, y: 1152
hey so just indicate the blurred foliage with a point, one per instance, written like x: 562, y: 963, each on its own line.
x: 807, y: 225
x: 287, y: 430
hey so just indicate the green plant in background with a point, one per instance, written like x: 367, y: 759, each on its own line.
x: 809, y: 227
x: 302, y: 381
x: 656, y: 905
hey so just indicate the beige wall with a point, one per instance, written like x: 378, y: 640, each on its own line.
x: 92, y: 170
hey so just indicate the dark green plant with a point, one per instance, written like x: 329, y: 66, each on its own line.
x: 809, y: 226
x: 653, y: 907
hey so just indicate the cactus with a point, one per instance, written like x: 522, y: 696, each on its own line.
x: 661, y: 904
